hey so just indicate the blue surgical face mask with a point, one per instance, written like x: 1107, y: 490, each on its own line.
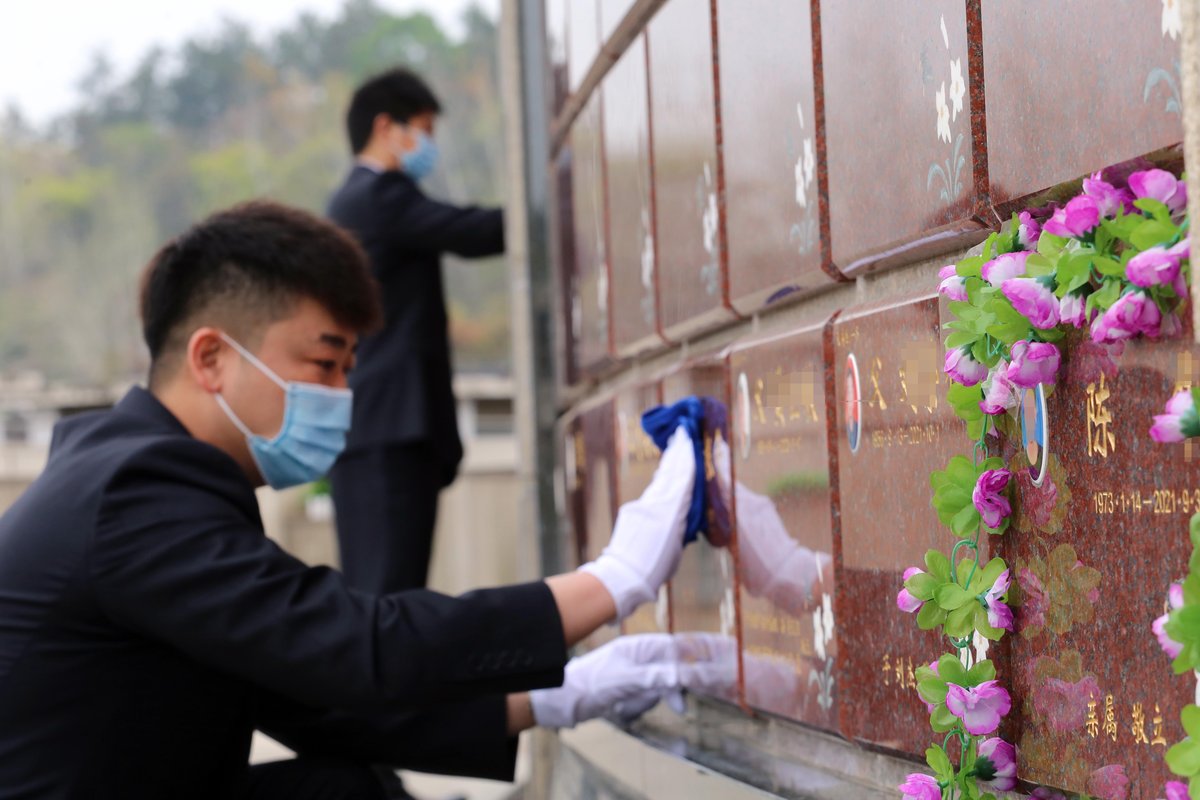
x: 312, y: 436
x: 419, y: 162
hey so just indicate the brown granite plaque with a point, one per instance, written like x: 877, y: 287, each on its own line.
x: 1093, y: 550
x: 589, y: 314
x: 636, y: 460
x: 689, y: 239
x: 630, y: 206
x: 1077, y: 64
x: 785, y: 544
x: 893, y: 428
x: 898, y: 131
x: 769, y: 137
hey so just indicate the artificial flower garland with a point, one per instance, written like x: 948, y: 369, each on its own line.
x: 1114, y: 260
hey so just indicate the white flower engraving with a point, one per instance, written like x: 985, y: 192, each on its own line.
x: 823, y: 625
x: 1172, y: 19
x: 958, y: 87
x: 943, y: 114
x: 945, y: 36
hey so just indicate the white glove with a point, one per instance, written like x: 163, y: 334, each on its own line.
x: 619, y: 681
x: 771, y: 563
x: 711, y: 659
x: 647, y: 540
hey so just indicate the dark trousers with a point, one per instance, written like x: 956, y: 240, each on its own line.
x: 385, y: 500
x: 311, y: 779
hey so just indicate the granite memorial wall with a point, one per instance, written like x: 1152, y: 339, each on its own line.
x: 741, y: 164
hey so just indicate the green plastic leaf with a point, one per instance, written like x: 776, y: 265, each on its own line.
x: 991, y: 571
x: 1184, y: 758
x: 1191, y: 589
x: 932, y: 690
x: 1152, y: 232
x: 1190, y: 717
x: 1050, y: 245
x: 938, y: 761
x: 1106, y: 296
x: 961, y: 339
x: 930, y: 616
x: 1037, y: 265
x: 1109, y: 267
x: 1195, y: 530
x: 937, y: 565
x: 965, y: 520
x: 965, y: 401
x: 1155, y: 208
x: 984, y: 627
x: 951, y: 669
x: 983, y: 671
x: 960, y: 621
x: 941, y: 720
x: 921, y: 585
x: 970, y: 267
x: 951, y: 596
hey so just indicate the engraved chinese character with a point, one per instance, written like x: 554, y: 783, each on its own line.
x: 1158, y: 739
x: 911, y: 676
x: 1138, y: 727
x: 1101, y: 440
x: 887, y: 670
x: 1093, y: 722
x: 758, y: 401
x: 898, y: 665
x: 1110, y: 718
x: 876, y: 395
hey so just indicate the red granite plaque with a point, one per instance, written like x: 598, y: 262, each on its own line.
x: 898, y: 131
x: 1078, y: 63
x: 636, y: 460
x: 769, y: 137
x: 1093, y: 549
x: 630, y: 206
x: 589, y: 315
x: 687, y: 172
x: 785, y: 545
x: 893, y: 428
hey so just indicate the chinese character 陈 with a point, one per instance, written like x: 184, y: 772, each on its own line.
x: 1101, y: 440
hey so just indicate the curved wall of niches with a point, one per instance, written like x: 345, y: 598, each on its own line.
x: 753, y: 198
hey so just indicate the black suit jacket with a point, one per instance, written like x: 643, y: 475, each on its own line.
x: 147, y: 626
x: 401, y: 383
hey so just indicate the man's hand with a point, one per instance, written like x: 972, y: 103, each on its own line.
x: 623, y: 679
x: 648, y: 538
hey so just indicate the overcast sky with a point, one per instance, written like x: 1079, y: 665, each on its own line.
x: 45, y: 46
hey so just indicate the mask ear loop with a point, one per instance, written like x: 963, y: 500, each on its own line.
x: 270, y: 373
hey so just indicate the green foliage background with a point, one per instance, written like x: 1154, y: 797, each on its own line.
x: 87, y: 199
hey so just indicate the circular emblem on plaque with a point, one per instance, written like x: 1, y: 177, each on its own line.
x: 741, y: 411
x: 852, y: 403
x: 1035, y: 432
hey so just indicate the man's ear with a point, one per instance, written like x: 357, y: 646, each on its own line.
x: 207, y: 357
x: 380, y: 126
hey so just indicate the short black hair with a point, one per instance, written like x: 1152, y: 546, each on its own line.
x: 243, y: 269
x: 400, y: 93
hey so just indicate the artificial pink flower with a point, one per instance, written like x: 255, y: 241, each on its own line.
x: 1028, y: 230
x: 999, y: 394
x: 1109, y: 199
x: 1033, y: 363
x: 999, y: 614
x: 1177, y: 790
x: 991, y: 502
x: 1072, y: 310
x: 1034, y: 300
x: 905, y: 600
x: 980, y: 707
x: 1109, y: 783
x: 1133, y: 313
x: 1004, y: 267
x: 1153, y: 267
x: 996, y: 765
x: 953, y: 285
x: 1179, y: 422
x: 920, y: 787
x: 1076, y: 218
x: 1182, y: 249
x: 962, y: 367
x: 1175, y: 600
x: 1160, y: 185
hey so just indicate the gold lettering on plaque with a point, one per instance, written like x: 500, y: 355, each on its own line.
x: 758, y: 401
x: 876, y: 400
x: 1110, y: 718
x: 887, y: 670
x: 1093, y: 722
x: 1101, y: 440
x: 1138, y: 726
x: 1158, y: 739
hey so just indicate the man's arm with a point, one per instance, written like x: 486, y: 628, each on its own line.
x: 416, y: 222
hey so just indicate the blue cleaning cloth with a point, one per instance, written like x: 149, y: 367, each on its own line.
x: 660, y: 423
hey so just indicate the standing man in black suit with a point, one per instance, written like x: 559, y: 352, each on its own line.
x: 148, y: 626
x: 404, y: 447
